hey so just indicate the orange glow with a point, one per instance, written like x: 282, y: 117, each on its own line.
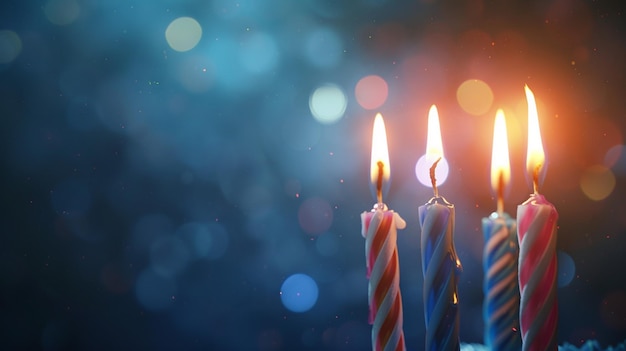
x: 380, y: 152
x: 500, y: 164
x: 434, y: 145
x: 535, y: 156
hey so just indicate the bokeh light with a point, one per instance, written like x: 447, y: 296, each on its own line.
x: 323, y: 47
x: 328, y: 103
x: 183, y: 34
x: 315, y: 216
x: 62, y: 12
x: 10, y: 46
x: 474, y: 96
x: 168, y: 256
x: 205, y: 240
x: 259, y: 53
x: 615, y: 158
x: 195, y: 73
x: 371, y: 92
x: 566, y: 269
x: 299, y: 293
x: 155, y: 292
x: 597, y: 182
x: 422, y: 171
x: 327, y: 244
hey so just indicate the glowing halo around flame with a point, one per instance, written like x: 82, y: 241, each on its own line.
x: 434, y: 150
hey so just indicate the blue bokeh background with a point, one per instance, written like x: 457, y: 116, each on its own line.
x: 192, y: 200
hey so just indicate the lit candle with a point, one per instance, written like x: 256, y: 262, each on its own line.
x: 440, y: 264
x: 536, y: 226
x: 381, y: 253
x: 501, y: 303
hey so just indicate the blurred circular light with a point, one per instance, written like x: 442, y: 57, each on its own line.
x: 10, y: 46
x: 615, y: 158
x: 155, y: 292
x: 328, y: 103
x: 597, y: 182
x: 62, y: 12
x: 422, y: 171
x: 299, y: 293
x: 474, y: 96
x: 371, y: 92
x: 195, y: 73
x: 315, y: 216
x: 322, y: 47
x: 567, y: 269
x: 205, y: 240
x: 327, y: 244
x: 183, y: 34
x: 259, y: 53
x: 168, y: 256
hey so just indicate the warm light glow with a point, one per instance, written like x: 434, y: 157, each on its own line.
x: 500, y: 165
x: 380, y: 153
x: 535, y: 156
x: 434, y: 146
x: 434, y: 150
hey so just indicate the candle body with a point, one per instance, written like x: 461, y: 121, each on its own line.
x: 536, y: 225
x: 383, y: 270
x: 500, y: 284
x: 441, y: 268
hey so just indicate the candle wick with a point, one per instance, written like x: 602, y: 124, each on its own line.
x: 379, y: 182
x: 433, y: 180
x: 536, y: 178
x: 500, y: 205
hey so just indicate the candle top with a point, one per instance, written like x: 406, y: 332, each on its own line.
x: 537, y: 199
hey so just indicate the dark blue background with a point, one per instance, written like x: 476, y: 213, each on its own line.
x: 141, y: 211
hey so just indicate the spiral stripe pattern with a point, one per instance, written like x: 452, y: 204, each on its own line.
x: 500, y: 285
x: 441, y: 268
x: 385, y: 300
x: 537, y: 220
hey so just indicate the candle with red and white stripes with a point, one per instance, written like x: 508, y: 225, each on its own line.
x: 379, y: 228
x: 500, y: 254
x: 536, y: 226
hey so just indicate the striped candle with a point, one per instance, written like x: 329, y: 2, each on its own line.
x: 500, y: 254
x: 536, y: 220
x: 379, y: 228
x: 381, y: 254
x: 501, y: 302
x: 536, y: 231
x: 441, y: 268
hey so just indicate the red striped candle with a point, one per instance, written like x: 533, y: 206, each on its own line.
x: 379, y: 228
x: 536, y: 229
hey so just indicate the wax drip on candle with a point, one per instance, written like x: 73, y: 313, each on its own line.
x: 433, y: 180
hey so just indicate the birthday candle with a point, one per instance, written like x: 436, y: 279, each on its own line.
x: 381, y: 255
x: 500, y: 254
x: 440, y: 264
x: 536, y: 225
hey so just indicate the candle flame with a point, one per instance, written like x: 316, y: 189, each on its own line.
x: 500, y: 164
x: 379, y: 171
x: 535, y: 156
x: 434, y: 145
